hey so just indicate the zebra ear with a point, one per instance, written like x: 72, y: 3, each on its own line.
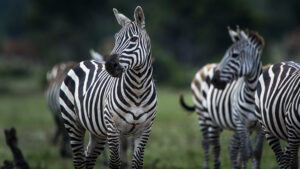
x: 122, y: 19
x: 233, y: 34
x: 139, y: 16
x: 243, y: 35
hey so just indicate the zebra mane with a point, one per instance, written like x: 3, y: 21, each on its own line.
x: 265, y: 67
x: 246, y: 34
x: 255, y: 38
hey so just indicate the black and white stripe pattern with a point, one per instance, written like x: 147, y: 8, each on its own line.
x: 200, y: 86
x: 278, y: 110
x: 233, y: 108
x: 55, y: 78
x: 112, y: 100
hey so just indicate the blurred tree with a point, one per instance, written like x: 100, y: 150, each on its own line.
x: 192, y: 32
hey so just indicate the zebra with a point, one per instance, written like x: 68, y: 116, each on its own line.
x: 55, y: 78
x: 277, y: 101
x: 114, y: 99
x: 200, y: 86
x: 125, y: 143
x: 240, y: 66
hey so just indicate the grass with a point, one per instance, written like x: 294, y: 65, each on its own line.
x: 175, y: 141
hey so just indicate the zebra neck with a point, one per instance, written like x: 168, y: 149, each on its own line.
x: 138, y: 82
x: 251, y: 79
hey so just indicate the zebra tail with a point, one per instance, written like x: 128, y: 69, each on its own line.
x: 184, y: 105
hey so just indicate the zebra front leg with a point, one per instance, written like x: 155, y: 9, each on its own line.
x: 257, y: 152
x: 140, y: 141
x: 245, y: 143
x: 123, y: 152
x: 113, y: 139
x: 214, y: 135
x: 94, y: 149
x: 234, y: 151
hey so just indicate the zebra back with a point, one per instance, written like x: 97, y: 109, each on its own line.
x: 55, y: 78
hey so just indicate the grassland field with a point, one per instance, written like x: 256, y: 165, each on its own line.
x: 175, y: 141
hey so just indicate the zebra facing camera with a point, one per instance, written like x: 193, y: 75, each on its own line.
x: 113, y: 66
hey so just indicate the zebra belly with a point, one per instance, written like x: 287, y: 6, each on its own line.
x: 275, y: 124
x: 220, y: 108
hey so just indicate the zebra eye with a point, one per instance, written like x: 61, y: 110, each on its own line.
x: 234, y: 55
x: 134, y: 39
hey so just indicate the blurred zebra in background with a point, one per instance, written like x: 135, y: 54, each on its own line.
x: 240, y: 66
x: 200, y: 87
x: 55, y: 78
x: 278, y: 110
x: 114, y: 99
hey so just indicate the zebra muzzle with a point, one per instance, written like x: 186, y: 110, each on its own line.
x: 217, y: 82
x: 112, y: 65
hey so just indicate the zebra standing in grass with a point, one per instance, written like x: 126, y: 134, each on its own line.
x: 278, y: 110
x: 114, y: 99
x: 240, y: 66
x: 200, y: 87
x: 55, y: 78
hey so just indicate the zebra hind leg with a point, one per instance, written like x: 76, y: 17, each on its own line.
x: 274, y: 143
x: 65, y: 148
x: 293, y: 143
x: 214, y: 136
x: 76, y: 135
x: 95, y: 147
x: 57, y: 132
x: 234, y: 151
x: 205, y: 143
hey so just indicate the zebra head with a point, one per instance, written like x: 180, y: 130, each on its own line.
x: 132, y: 48
x: 241, y: 58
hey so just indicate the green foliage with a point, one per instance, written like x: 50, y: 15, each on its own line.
x: 169, y: 72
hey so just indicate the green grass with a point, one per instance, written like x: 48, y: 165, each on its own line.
x: 175, y: 141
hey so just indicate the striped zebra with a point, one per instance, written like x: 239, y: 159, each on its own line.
x: 114, y: 99
x: 200, y: 87
x: 278, y: 110
x: 125, y: 143
x: 240, y: 66
x: 55, y: 78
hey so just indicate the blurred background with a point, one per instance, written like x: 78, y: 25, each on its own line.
x: 185, y: 35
